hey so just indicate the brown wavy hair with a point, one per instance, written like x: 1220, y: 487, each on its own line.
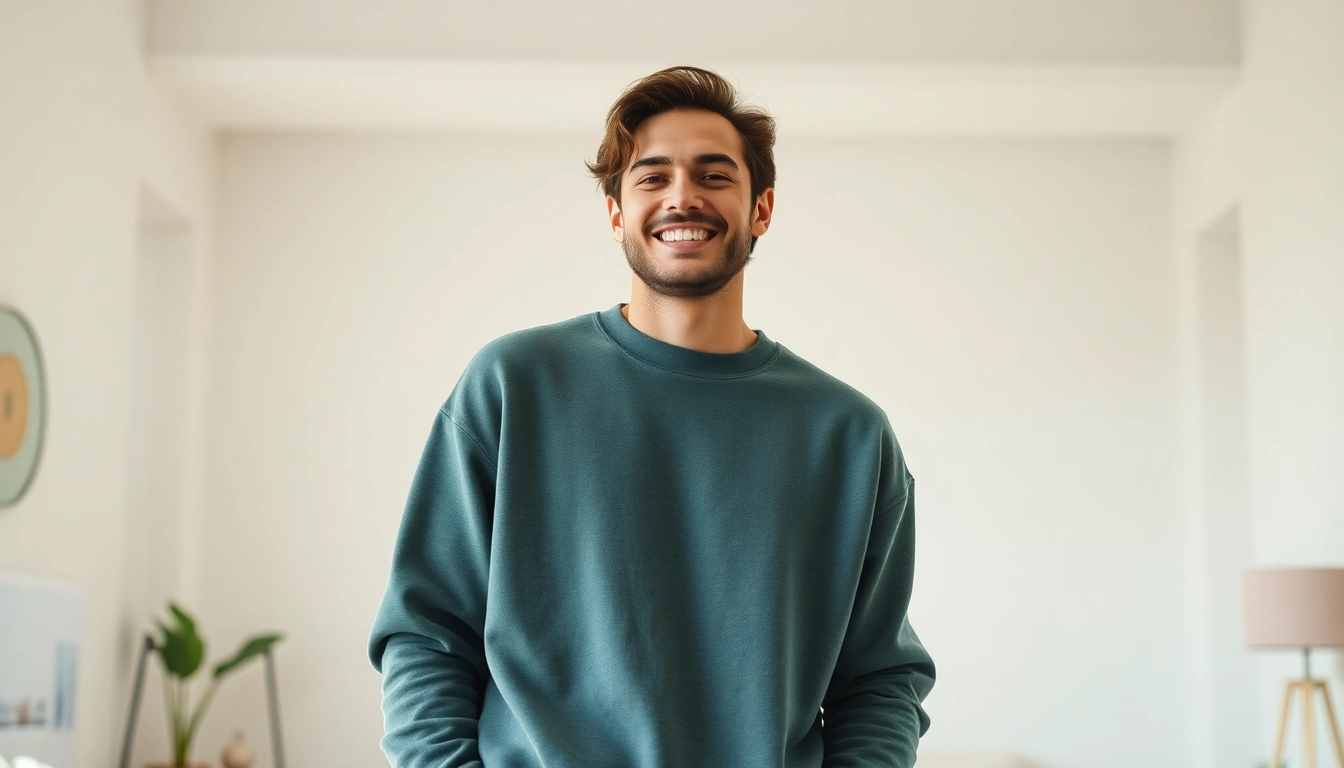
x: 683, y: 88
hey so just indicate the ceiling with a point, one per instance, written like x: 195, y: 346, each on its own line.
x: 993, y: 32
x: 1148, y: 68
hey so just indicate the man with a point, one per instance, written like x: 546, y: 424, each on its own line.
x: 650, y: 537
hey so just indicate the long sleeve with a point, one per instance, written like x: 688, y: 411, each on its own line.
x: 873, y: 713
x: 427, y: 637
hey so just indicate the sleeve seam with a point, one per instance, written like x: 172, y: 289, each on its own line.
x: 485, y: 454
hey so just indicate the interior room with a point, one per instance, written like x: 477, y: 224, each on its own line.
x: 1087, y: 257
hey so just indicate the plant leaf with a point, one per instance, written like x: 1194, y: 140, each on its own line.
x: 184, y: 620
x: 182, y: 651
x: 252, y: 648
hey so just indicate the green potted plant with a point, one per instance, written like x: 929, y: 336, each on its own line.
x: 182, y: 651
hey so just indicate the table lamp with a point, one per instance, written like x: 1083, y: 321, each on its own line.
x: 1299, y: 608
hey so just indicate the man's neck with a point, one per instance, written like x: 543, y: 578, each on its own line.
x: 705, y: 324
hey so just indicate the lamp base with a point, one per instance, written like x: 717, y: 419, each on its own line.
x: 1307, y: 688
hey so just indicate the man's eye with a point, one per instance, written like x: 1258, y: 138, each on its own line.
x: 717, y: 177
x: 650, y: 178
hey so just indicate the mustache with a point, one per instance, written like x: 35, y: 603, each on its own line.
x: 686, y: 218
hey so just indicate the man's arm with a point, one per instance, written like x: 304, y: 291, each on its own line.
x: 427, y: 637
x: 873, y: 715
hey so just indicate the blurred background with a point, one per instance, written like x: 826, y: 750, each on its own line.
x: 1088, y: 256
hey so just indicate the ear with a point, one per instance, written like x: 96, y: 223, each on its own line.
x: 615, y: 219
x: 760, y: 215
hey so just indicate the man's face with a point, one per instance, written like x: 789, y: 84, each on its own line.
x: 686, y: 216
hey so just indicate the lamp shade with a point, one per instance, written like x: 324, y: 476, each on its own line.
x: 1294, y: 607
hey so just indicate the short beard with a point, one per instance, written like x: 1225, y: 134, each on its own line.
x: 736, y: 256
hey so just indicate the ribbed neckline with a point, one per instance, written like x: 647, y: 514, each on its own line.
x: 680, y: 359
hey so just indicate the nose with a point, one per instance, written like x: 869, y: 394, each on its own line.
x: 682, y: 194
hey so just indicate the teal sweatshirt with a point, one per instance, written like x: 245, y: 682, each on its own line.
x: 620, y: 553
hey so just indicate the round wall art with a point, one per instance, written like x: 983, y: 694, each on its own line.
x: 23, y: 405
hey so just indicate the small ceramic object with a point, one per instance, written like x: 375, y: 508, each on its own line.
x: 237, y: 754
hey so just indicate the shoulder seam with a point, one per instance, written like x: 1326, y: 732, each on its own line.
x: 444, y: 413
x: 909, y: 482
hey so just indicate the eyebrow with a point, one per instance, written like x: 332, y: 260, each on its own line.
x: 708, y: 159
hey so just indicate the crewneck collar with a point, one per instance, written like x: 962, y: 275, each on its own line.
x: 716, y: 365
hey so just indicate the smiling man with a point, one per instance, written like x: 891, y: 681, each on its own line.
x: 650, y: 536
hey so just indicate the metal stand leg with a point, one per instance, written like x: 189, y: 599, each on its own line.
x: 145, y: 650
x: 274, y: 701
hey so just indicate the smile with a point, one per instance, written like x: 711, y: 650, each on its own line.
x: 683, y: 235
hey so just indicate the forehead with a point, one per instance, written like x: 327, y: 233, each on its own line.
x: 685, y: 133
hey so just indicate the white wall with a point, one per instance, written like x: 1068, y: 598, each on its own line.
x: 1011, y: 304
x: 1227, y: 714
x: 81, y: 134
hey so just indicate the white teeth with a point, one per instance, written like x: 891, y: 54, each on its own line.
x: 677, y: 235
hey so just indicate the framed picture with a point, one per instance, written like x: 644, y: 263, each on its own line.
x: 40, y: 625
